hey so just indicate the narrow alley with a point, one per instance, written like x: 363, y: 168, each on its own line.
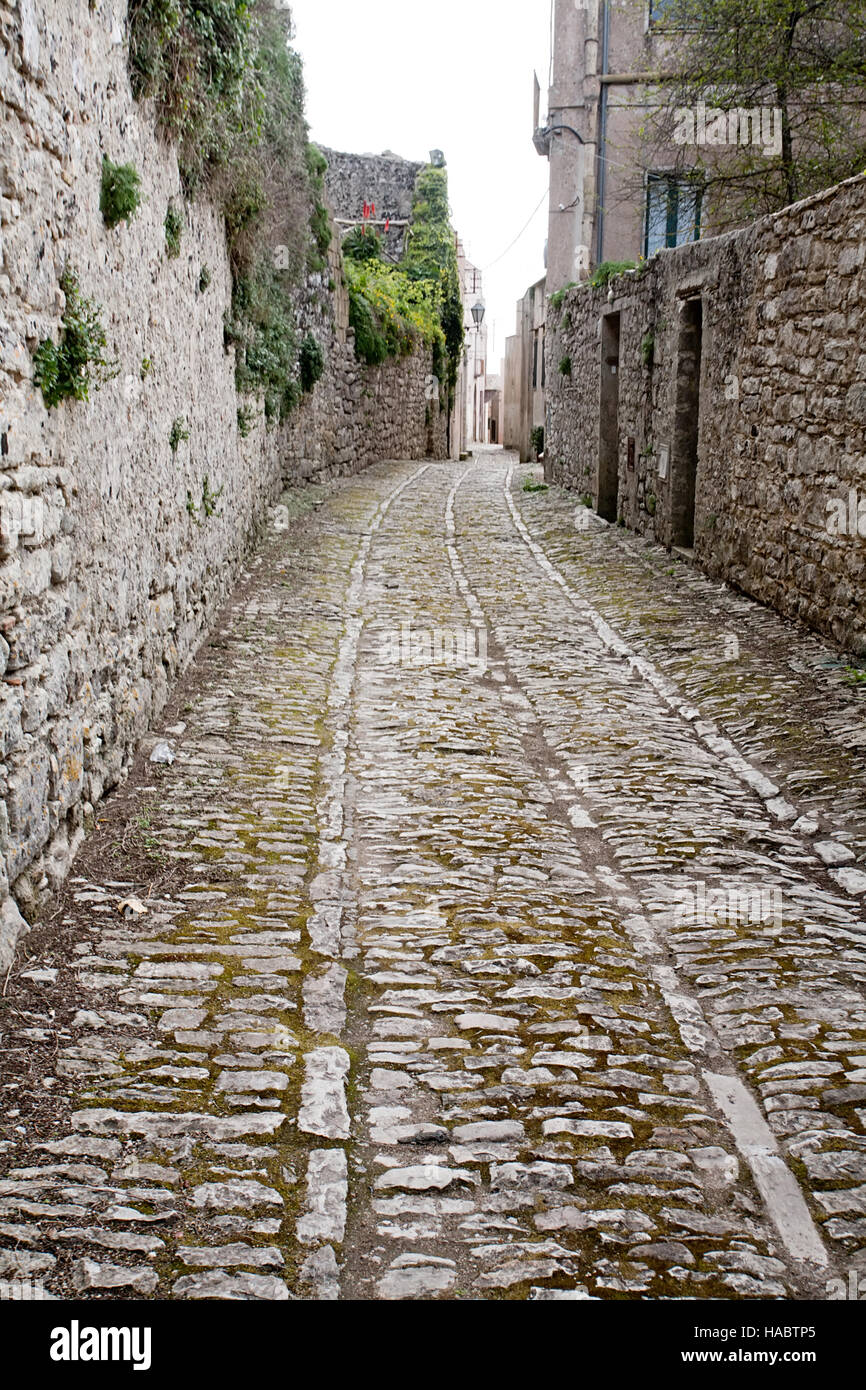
x: 493, y: 933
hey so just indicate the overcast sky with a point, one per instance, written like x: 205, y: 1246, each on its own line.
x: 454, y: 75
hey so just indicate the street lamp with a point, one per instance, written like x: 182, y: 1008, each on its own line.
x: 478, y: 312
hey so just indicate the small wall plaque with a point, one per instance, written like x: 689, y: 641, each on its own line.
x: 664, y: 460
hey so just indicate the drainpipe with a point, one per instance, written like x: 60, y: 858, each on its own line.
x: 602, y: 134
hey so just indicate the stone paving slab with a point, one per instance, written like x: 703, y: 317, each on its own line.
x: 502, y: 937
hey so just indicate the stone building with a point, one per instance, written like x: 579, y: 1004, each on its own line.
x: 715, y: 401
x: 471, y: 388
x: 605, y: 203
x: 526, y: 372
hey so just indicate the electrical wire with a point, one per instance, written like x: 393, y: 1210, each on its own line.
x: 508, y: 248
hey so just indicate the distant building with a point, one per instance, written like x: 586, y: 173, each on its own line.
x: 525, y: 373
x: 474, y: 374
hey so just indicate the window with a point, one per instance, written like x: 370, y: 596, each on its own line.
x: 673, y: 212
x: 535, y: 360
x: 657, y: 10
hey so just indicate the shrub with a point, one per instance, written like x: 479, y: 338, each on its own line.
x: 311, y: 363
x: 173, y: 230
x: 69, y: 370
x: 391, y: 312
x: 119, y: 193
x: 363, y: 244
x: 370, y: 344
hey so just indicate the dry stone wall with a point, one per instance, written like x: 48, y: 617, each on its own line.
x: 111, y: 569
x: 727, y: 380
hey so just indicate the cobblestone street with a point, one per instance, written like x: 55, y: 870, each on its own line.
x: 496, y: 932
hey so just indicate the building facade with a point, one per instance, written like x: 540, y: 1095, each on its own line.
x: 610, y: 198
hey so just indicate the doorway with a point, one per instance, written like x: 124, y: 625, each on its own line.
x: 687, y: 424
x: 608, y: 443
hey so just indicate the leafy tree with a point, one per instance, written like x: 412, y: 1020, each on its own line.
x: 805, y: 59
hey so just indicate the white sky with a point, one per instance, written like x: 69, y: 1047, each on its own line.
x: 454, y: 75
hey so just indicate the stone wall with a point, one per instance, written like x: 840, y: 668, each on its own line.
x: 111, y: 571
x: 716, y: 400
x: 357, y: 414
x: 385, y: 181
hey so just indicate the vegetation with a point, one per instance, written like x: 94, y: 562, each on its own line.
x: 179, y: 433
x: 536, y: 439
x: 803, y: 60
x: 648, y: 349
x: 78, y: 364
x: 531, y: 484
x: 119, y: 193
x: 558, y: 297
x: 565, y: 365
x: 228, y: 91
x: 246, y: 420
x: 607, y: 271
x: 204, y: 279
x: 390, y: 312
x: 363, y: 244
x: 431, y: 256
x: 173, y: 230
x: 209, y: 498
x: 262, y: 329
x: 311, y: 362
x: 146, y: 368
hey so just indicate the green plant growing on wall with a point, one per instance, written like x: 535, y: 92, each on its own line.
x: 191, y: 507
x: 651, y: 504
x: 431, y: 257
x: 648, y: 349
x: 119, y: 192
x: 179, y: 433
x: 146, y: 368
x: 204, y: 279
x: 586, y: 500
x: 261, y: 327
x: 391, y: 313
x: 246, y: 421
x: 536, y: 439
x: 311, y: 362
x: 78, y: 364
x: 173, y: 230
x: 607, y: 271
x: 565, y: 365
x: 320, y: 222
x: 557, y: 299
x: 209, y: 499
